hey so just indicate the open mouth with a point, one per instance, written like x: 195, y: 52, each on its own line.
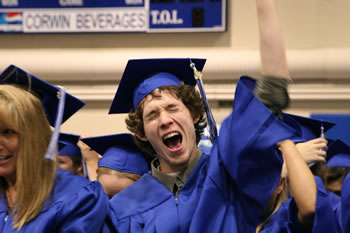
x: 2, y: 158
x: 172, y: 140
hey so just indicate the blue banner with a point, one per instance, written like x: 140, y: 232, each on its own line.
x: 84, y: 16
x: 38, y: 4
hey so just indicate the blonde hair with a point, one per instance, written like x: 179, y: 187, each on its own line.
x: 35, y: 176
x: 282, y: 196
x: 110, y: 171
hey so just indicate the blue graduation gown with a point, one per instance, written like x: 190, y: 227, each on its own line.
x: 226, y: 191
x: 285, y: 220
x: 336, y: 207
x: 345, y: 204
x: 77, y: 205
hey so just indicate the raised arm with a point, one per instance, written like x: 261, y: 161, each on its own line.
x: 272, y: 50
x: 301, y: 183
x: 252, y: 132
x: 272, y: 86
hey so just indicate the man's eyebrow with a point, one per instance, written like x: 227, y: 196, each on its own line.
x: 171, y: 105
x: 152, y: 112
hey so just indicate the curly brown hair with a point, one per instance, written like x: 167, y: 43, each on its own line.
x: 191, y: 99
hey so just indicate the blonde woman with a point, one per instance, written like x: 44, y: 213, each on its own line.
x: 34, y: 196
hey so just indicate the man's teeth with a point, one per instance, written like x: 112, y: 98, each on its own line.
x: 4, y: 157
x: 171, y: 135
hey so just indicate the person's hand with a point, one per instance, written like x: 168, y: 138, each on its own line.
x: 88, y: 154
x: 313, y: 150
x: 90, y: 158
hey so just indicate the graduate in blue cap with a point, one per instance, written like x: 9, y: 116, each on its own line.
x: 70, y: 156
x: 189, y: 190
x: 338, y: 165
x: 300, y: 203
x: 35, y: 196
x: 120, y: 166
x: 310, y: 138
x: 121, y: 163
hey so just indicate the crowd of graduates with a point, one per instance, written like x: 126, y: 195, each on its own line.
x: 264, y: 171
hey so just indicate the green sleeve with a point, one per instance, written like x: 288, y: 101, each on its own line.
x: 273, y: 93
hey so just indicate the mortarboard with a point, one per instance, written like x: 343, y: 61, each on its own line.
x: 306, y: 128
x: 70, y: 147
x: 61, y: 145
x: 46, y: 91
x: 338, y: 154
x: 53, y: 100
x: 119, y: 152
x: 142, y: 76
x: 342, y: 128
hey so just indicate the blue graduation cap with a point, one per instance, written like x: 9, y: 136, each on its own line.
x: 48, y: 93
x: 338, y: 154
x: 61, y: 145
x: 342, y: 128
x: 306, y: 128
x: 53, y: 100
x: 119, y: 153
x: 142, y: 76
x: 69, y: 147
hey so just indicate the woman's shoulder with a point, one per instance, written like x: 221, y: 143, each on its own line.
x: 69, y: 187
x: 74, y: 202
x: 67, y: 184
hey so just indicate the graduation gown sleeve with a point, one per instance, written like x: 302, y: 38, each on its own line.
x: 84, y: 211
x: 111, y: 222
x: 248, y: 150
x: 336, y: 207
x: 345, y: 204
x: 325, y: 218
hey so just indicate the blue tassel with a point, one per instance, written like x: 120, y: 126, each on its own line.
x: 85, y: 172
x: 213, y: 132
x: 53, y: 145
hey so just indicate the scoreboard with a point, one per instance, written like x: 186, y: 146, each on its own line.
x: 100, y: 16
